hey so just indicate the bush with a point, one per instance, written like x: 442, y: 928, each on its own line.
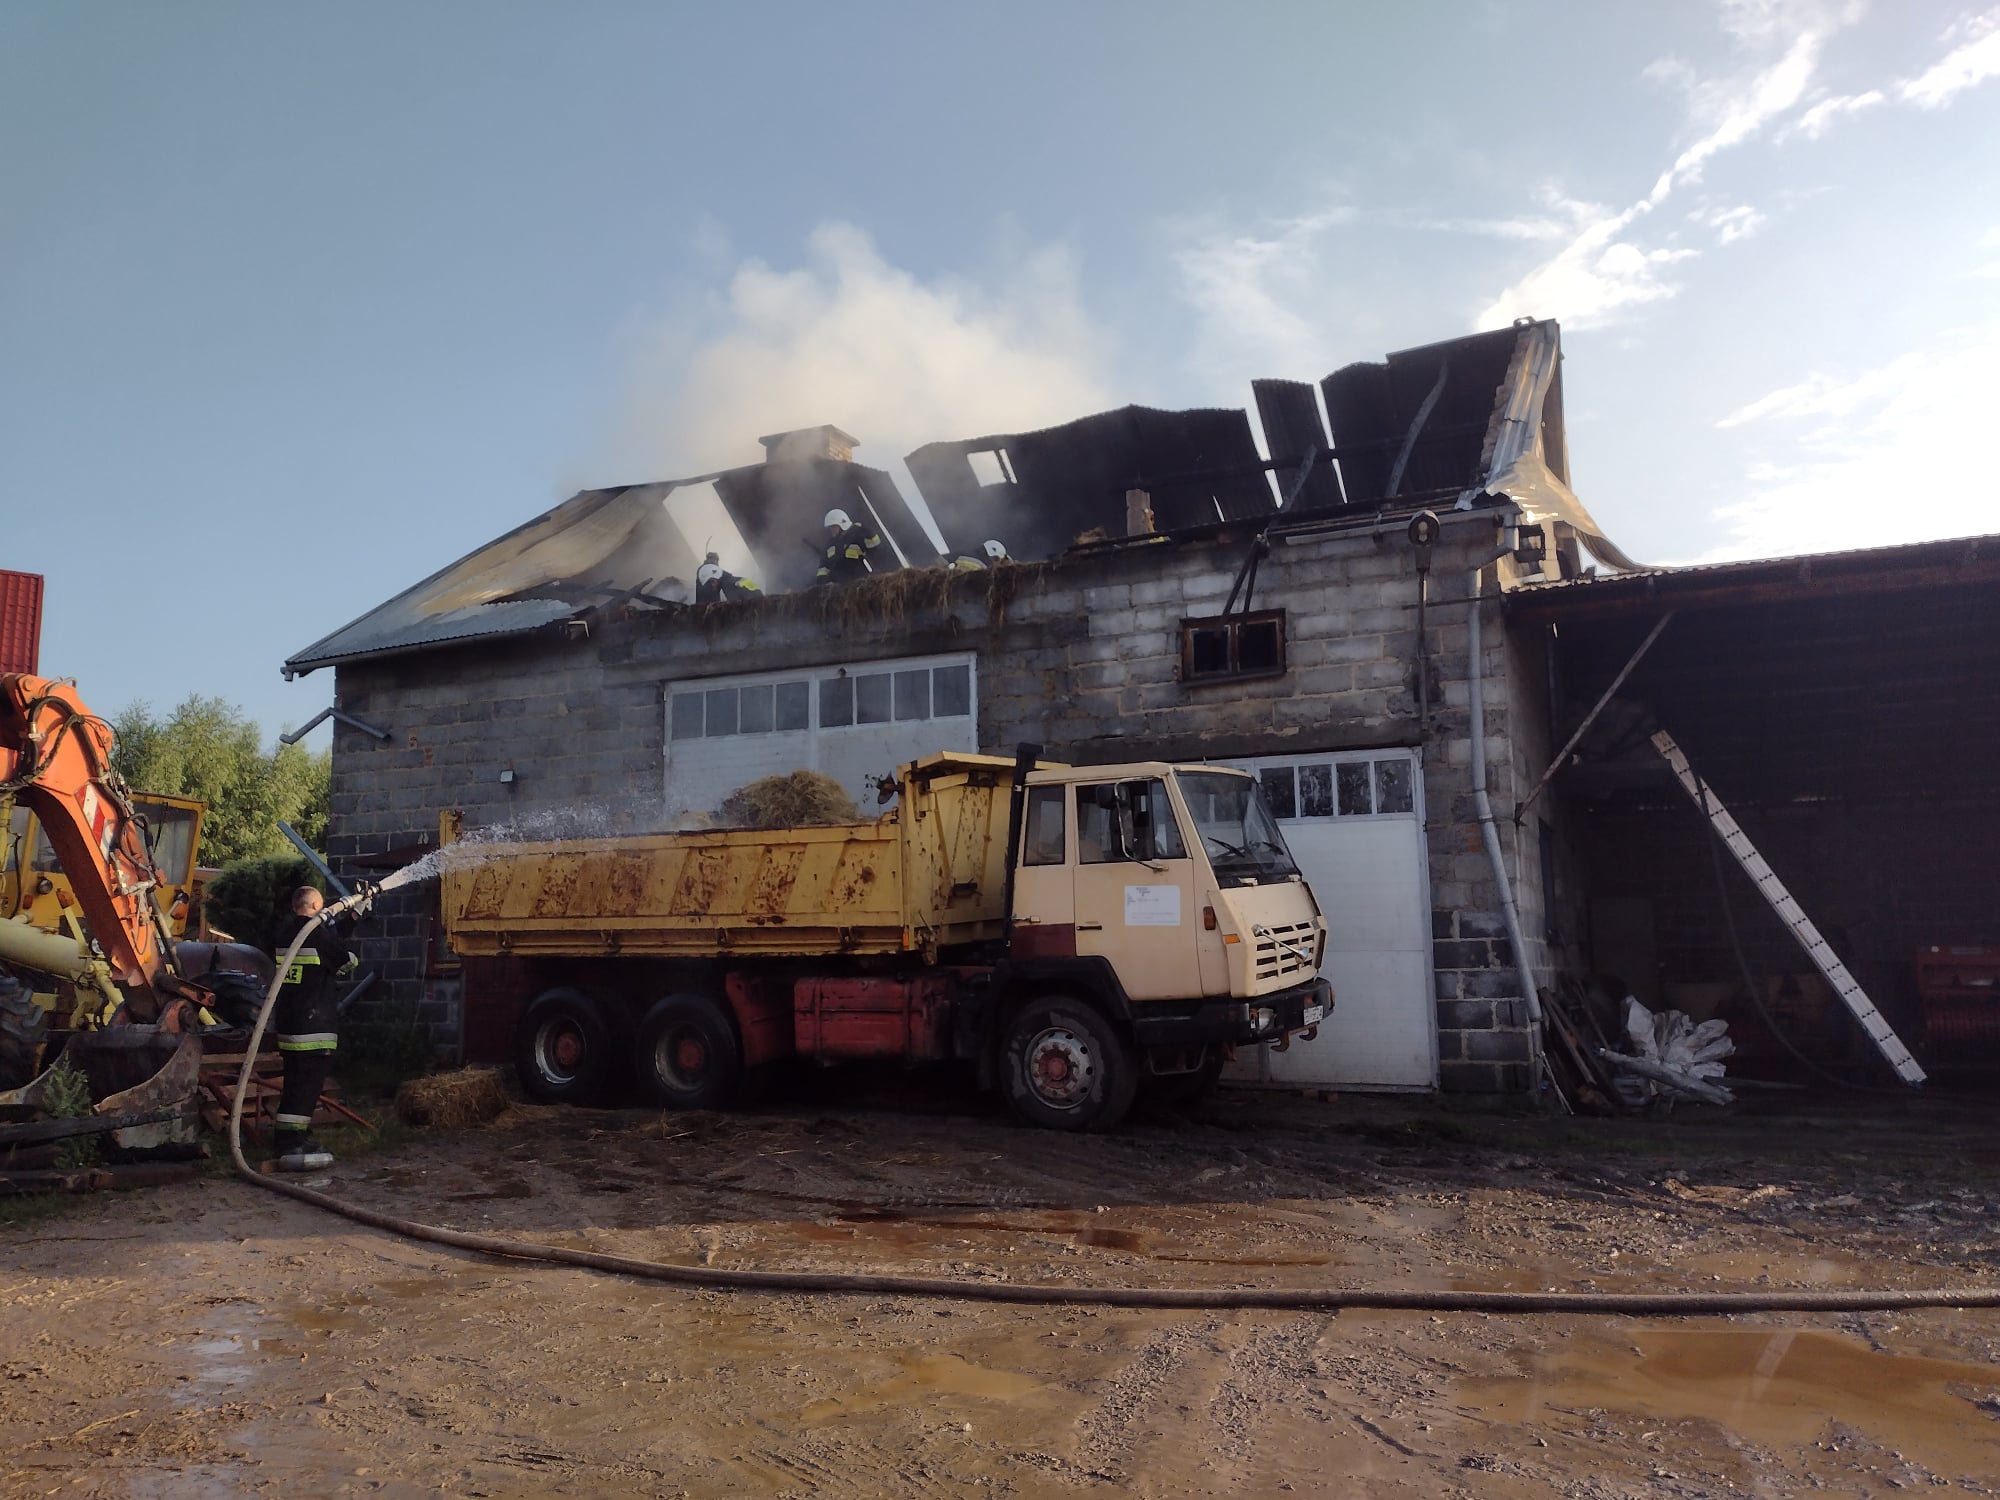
x: 251, y: 898
x: 381, y: 1045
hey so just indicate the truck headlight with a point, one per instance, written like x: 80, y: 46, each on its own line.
x: 1262, y: 1019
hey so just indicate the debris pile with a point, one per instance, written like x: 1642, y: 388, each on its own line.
x: 1669, y: 1054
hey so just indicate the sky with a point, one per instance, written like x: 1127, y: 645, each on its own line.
x: 299, y: 304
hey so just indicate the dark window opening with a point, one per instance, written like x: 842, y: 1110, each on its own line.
x: 873, y: 698
x: 754, y: 711
x: 794, y: 705
x: 1233, y: 646
x: 836, y: 702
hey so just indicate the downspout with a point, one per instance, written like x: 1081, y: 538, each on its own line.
x: 1476, y: 700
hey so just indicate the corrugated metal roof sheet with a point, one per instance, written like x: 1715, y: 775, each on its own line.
x: 20, y: 621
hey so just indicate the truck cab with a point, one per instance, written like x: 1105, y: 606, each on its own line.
x: 1166, y: 896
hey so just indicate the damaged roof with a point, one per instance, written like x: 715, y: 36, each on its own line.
x: 1469, y: 418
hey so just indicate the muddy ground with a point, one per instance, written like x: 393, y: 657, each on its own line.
x: 213, y: 1339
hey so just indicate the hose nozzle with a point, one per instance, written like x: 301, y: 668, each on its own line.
x: 358, y: 903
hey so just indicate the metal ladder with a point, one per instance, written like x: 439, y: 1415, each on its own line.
x: 1773, y: 891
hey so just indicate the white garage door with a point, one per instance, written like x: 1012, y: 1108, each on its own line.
x: 852, y: 722
x: 1355, y: 823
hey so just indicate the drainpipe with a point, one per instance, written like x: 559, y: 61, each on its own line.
x: 1476, y: 697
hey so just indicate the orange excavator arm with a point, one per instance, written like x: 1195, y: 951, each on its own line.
x: 55, y: 757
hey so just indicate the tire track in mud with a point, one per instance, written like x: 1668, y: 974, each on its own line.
x: 1129, y: 1400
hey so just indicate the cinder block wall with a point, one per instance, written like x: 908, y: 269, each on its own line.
x: 1082, y: 655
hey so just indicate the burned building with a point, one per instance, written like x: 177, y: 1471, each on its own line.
x: 1400, y: 691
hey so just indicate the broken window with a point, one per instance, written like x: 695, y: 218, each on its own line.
x: 1233, y: 646
x: 1279, y: 791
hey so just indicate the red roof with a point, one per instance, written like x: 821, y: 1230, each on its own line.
x: 20, y: 621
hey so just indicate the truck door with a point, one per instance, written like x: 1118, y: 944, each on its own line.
x: 1044, y: 885
x: 1135, y: 888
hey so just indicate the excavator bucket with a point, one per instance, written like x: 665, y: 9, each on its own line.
x: 132, y: 1070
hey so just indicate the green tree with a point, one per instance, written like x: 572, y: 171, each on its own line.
x: 208, y: 748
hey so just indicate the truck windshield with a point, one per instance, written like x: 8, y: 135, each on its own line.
x: 1237, y: 829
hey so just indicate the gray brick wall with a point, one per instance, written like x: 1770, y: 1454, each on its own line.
x: 1082, y: 655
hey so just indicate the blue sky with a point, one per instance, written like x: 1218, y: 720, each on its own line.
x: 299, y: 303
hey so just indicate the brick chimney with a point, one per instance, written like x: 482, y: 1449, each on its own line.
x: 809, y: 442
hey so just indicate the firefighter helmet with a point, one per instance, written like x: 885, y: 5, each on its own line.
x: 708, y: 572
x: 836, y: 518
x: 996, y: 551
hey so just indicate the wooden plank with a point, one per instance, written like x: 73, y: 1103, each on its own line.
x: 1789, y: 912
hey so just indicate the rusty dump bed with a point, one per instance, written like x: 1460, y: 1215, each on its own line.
x: 929, y: 873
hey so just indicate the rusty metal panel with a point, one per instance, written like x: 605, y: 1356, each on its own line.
x: 20, y: 621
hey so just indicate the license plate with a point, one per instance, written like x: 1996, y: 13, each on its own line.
x: 1315, y: 1014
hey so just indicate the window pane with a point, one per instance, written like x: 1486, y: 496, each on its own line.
x: 1156, y: 832
x: 1043, y: 840
x: 1355, y: 796
x: 794, y: 705
x: 913, y: 694
x: 1097, y: 825
x: 1259, y: 646
x: 951, y: 692
x: 756, y: 709
x: 721, y: 711
x: 1392, y: 786
x: 1316, y: 791
x: 1208, y: 650
x: 871, y: 698
x: 1278, y: 791
x: 836, y: 702
x: 686, y: 711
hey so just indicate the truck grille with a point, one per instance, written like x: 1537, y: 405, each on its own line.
x: 1285, y: 951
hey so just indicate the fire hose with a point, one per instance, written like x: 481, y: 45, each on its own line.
x: 1300, y: 1299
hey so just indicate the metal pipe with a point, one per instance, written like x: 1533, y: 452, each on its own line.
x: 1603, y: 701
x: 312, y: 858
x: 1489, y: 831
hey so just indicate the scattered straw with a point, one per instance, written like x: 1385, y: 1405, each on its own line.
x: 804, y: 797
x: 452, y: 1101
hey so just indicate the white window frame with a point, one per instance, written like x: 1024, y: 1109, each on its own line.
x: 812, y: 676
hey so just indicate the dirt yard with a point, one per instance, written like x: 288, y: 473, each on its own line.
x: 213, y: 1339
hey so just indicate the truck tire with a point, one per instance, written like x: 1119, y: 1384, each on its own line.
x: 24, y: 1026
x: 563, y: 1050
x: 1067, y: 1068
x: 688, y: 1054
x: 1185, y: 1088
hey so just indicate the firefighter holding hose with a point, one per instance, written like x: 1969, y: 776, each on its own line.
x: 305, y: 1021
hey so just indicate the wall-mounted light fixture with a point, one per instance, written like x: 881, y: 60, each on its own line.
x: 507, y: 775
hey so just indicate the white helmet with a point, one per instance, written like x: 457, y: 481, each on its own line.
x: 707, y: 573
x: 837, y: 517
x: 996, y: 551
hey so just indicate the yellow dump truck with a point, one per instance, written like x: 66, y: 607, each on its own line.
x: 1074, y: 933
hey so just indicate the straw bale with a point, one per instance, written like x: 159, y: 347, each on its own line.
x: 452, y: 1101
x: 799, y: 799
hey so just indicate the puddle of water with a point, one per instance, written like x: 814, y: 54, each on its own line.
x: 927, y: 1375
x: 1772, y: 1386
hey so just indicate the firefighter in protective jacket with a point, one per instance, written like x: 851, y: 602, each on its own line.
x: 848, y: 549
x: 715, y: 584
x: 304, y: 1022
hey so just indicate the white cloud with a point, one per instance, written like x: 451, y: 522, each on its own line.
x: 1893, y: 454
x: 1730, y: 224
x: 1605, y: 269
x: 1975, y: 59
x: 850, y: 339
x: 1816, y: 121
x: 1248, y: 291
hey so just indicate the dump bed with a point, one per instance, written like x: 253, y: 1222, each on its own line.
x: 929, y: 873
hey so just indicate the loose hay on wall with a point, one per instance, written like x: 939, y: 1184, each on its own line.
x: 452, y: 1101
x: 799, y: 799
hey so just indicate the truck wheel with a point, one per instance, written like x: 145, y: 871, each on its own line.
x: 24, y: 1026
x: 688, y: 1056
x: 1185, y: 1088
x: 563, y: 1050
x: 1067, y: 1067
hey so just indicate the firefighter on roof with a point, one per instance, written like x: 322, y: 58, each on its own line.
x: 848, y: 549
x: 715, y: 584
x: 995, y: 554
